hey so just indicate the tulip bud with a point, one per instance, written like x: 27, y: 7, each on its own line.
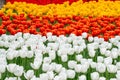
x: 82, y: 77
x: 101, y: 67
x: 112, y: 68
x: 70, y: 74
x: 100, y: 59
x: 64, y: 58
x: 84, y: 35
x: 19, y: 71
x: 72, y: 64
x: 95, y: 76
x: 113, y: 79
x: 47, y: 60
x: 11, y: 67
x: 45, y: 67
x: 79, y: 57
x: 107, y: 60
x: 44, y: 76
x: 118, y: 65
x: 2, y: 68
x: 90, y: 39
x: 58, y: 68
x: 50, y: 75
x: 56, y: 78
x: 78, y: 68
x: 29, y: 74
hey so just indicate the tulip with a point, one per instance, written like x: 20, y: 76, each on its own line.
x: 113, y: 79
x: 95, y: 76
x: 34, y: 78
x: 100, y: 59
x: 10, y: 55
x: 91, y: 53
x: 118, y: 65
x: 50, y: 75
x: 101, y: 67
x: 78, y: 68
x: 107, y: 60
x: 2, y: 68
x: 29, y: 54
x: 93, y: 64
x: 52, y: 54
x: 58, y: 68
x: 79, y: 57
x: 84, y: 35
x: 90, y: 39
x: 36, y: 65
x: 63, y: 76
x: 112, y: 68
x: 29, y: 74
x: 22, y: 53
x: 19, y: 71
x: 64, y: 58
x: 56, y: 78
x: 11, y: 78
x: 84, y: 68
x: 26, y: 35
x: 47, y: 60
x: 82, y: 77
x: 45, y: 67
x: 118, y: 76
x: 11, y: 67
x: 102, y: 78
x: 43, y: 76
x: 70, y: 74
x: 72, y: 64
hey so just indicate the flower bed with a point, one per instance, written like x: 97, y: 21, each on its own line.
x: 36, y: 57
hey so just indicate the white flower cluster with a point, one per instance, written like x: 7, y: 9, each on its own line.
x: 35, y: 57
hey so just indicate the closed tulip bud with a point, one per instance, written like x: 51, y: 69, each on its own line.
x: 95, y: 76
x: 71, y: 74
x: 102, y: 78
x: 113, y: 79
x: 118, y: 65
x: 34, y: 78
x: 36, y: 65
x: 84, y: 35
x: 29, y: 54
x: 58, y: 68
x: 82, y: 77
x: 64, y: 58
x: 2, y: 68
x: 108, y: 60
x: 44, y: 76
x: 108, y: 53
x: 100, y: 59
x: 84, y: 68
x: 63, y: 76
x: 11, y: 67
x: 90, y: 39
x: 29, y: 74
x: 91, y: 53
x: 112, y: 68
x: 10, y: 55
x: 26, y: 35
x: 93, y: 64
x: 45, y: 67
x: 118, y: 76
x: 19, y: 71
x: 52, y: 54
x: 50, y: 75
x: 47, y: 60
x: 49, y: 34
x: 72, y: 64
x: 11, y: 78
x: 78, y: 68
x: 56, y: 78
x: 79, y: 57
x: 102, y: 51
x: 22, y: 53
x: 101, y: 67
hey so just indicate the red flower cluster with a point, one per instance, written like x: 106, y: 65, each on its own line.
x: 106, y: 27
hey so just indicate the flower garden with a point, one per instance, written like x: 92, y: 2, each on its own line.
x: 68, y: 41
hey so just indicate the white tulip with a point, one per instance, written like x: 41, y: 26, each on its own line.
x: 102, y: 50
x: 112, y: 68
x: 58, y: 68
x: 102, y: 78
x: 52, y: 54
x: 90, y: 39
x: 118, y: 65
x: 30, y: 54
x: 19, y: 71
x: 56, y: 78
x: 10, y: 55
x: 63, y: 76
x: 26, y: 35
x: 29, y: 74
x: 72, y: 64
x: 108, y: 60
x: 44, y: 76
x: 71, y: 74
x: 64, y: 58
x: 2, y: 68
x: 84, y: 35
x: 0, y: 75
x: 118, y: 76
x: 22, y: 53
x: 91, y: 53
x: 45, y: 67
x: 36, y: 64
x: 79, y: 57
x: 101, y: 67
x: 82, y: 77
x: 100, y: 59
x: 95, y: 76
x: 113, y: 79
x: 11, y: 78
x: 35, y: 78
x: 93, y: 64
x: 78, y: 68
x: 108, y: 53
x: 114, y: 54
x: 71, y: 51
x: 11, y: 67
x: 50, y: 75
x: 84, y: 68
x: 47, y: 60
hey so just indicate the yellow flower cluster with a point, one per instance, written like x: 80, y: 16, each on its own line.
x: 91, y: 8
